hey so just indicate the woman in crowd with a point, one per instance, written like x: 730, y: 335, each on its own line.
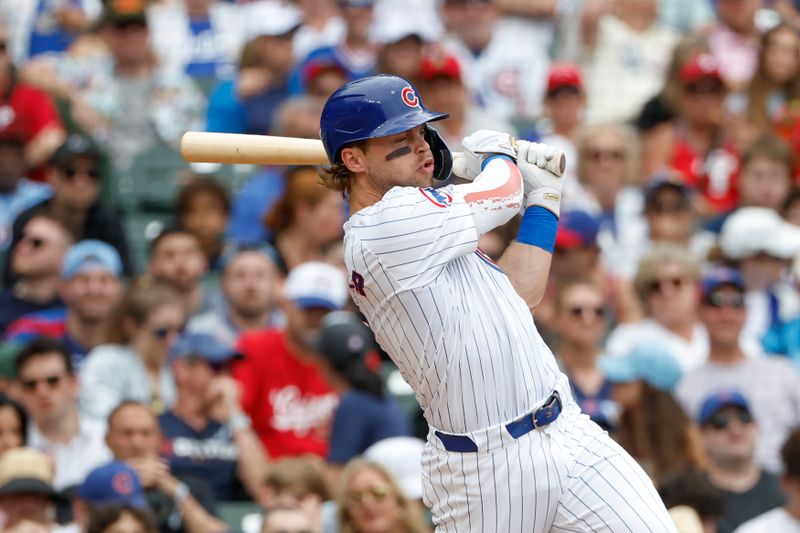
x: 203, y: 207
x: 306, y: 220
x: 582, y: 323
x: 371, y: 501
x: 133, y: 365
x: 13, y: 424
x: 652, y: 426
x: 120, y: 519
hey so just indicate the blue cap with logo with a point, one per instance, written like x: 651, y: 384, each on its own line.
x: 720, y: 400
x: 113, y: 483
x: 90, y: 255
x: 204, y: 346
x: 645, y: 362
x: 719, y: 276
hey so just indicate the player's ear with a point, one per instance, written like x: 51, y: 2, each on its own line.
x: 354, y: 159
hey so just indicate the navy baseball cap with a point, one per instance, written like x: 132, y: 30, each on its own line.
x: 718, y: 277
x: 646, y: 362
x: 113, y: 483
x: 662, y: 182
x: 577, y: 229
x: 343, y: 337
x: 720, y: 400
x: 76, y: 145
x: 204, y: 346
x: 90, y: 255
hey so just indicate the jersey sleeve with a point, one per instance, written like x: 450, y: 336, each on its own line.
x: 415, y: 232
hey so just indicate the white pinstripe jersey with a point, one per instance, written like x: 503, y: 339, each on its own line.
x: 450, y: 319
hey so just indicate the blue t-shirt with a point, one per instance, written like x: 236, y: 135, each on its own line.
x: 206, y: 59
x: 360, y: 421
x: 47, y: 34
x: 209, y: 454
x: 226, y: 113
x: 256, y: 198
x: 12, y: 308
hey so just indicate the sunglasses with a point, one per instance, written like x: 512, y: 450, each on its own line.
x: 607, y: 155
x: 378, y: 492
x: 71, y: 172
x: 124, y: 25
x: 723, y: 419
x: 734, y: 300
x: 31, y: 385
x: 578, y: 311
x: 658, y: 285
x: 162, y: 333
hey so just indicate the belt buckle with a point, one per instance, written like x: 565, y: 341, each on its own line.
x: 536, y: 425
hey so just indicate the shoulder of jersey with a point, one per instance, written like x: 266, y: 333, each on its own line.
x: 398, y: 203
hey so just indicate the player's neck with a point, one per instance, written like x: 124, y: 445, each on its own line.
x: 364, y: 194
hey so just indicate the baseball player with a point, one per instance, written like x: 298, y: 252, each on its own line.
x: 508, y: 449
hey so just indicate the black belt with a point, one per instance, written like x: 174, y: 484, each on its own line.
x: 541, y: 417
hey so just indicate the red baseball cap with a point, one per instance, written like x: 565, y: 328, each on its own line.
x: 564, y: 75
x: 698, y: 67
x: 440, y: 65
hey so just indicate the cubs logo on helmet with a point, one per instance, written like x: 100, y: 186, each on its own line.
x: 409, y: 97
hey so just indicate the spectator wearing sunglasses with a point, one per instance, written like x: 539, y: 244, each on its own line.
x: 766, y: 382
x: 48, y: 389
x: 729, y: 437
x: 36, y: 264
x: 666, y: 286
x: 133, y: 363
x: 90, y: 288
x: 75, y: 179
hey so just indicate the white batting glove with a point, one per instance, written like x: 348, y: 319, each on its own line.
x: 478, y: 147
x: 542, y: 187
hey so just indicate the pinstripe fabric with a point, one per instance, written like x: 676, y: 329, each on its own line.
x: 465, y: 341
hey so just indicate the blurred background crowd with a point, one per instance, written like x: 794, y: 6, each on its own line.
x: 179, y: 352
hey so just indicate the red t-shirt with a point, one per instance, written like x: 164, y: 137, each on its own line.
x: 288, y: 400
x: 713, y: 175
x: 29, y: 111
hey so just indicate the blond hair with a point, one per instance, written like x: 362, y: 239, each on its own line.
x: 653, y: 261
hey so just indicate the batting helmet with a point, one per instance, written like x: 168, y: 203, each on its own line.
x: 378, y: 106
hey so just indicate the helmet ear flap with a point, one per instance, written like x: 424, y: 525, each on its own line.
x: 442, y: 158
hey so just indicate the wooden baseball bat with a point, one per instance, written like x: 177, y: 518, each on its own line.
x: 232, y: 148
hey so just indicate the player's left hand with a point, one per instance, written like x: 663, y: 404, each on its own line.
x: 478, y: 147
x: 542, y: 187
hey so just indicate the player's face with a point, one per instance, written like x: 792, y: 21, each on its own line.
x: 404, y: 159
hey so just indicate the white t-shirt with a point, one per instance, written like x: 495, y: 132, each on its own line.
x: 689, y: 353
x: 774, y: 521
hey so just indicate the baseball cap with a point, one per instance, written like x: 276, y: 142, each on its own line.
x: 113, y: 483
x: 576, y: 229
x: 76, y: 145
x: 26, y: 470
x: 753, y: 230
x: 563, y: 75
x: 204, y: 346
x: 718, y: 277
x: 271, y: 18
x: 315, y: 67
x: 660, y: 183
x: 719, y: 400
x: 316, y: 284
x: 124, y: 11
x: 90, y: 255
x: 645, y: 362
x: 442, y: 65
x: 402, y: 457
x: 700, y: 66
x: 343, y: 337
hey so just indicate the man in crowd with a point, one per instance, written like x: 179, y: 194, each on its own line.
x: 764, y: 381
x: 205, y: 434
x: 729, y: 435
x: 133, y: 437
x: 283, y: 390
x: 27, y: 496
x: 36, y: 264
x: 75, y: 179
x: 177, y: 258
x: 48, y: 389
x: 249, y: 284
x: 90, y: 288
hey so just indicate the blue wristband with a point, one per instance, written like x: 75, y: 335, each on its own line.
x: 538, y: 228
x: 493, y: 157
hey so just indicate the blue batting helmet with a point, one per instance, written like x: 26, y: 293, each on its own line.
x: 378, y: 106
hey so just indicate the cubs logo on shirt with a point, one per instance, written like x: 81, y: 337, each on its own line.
x: 437, y: 197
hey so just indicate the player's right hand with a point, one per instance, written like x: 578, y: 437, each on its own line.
x: 478, y: 147
x: 542, y: 187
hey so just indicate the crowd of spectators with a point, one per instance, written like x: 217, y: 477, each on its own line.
x: 178, y: 351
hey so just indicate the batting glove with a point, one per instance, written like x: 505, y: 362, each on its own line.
x: 542, y: 187
x: 478, y: 147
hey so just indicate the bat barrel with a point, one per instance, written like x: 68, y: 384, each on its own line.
x: 207, y: 147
